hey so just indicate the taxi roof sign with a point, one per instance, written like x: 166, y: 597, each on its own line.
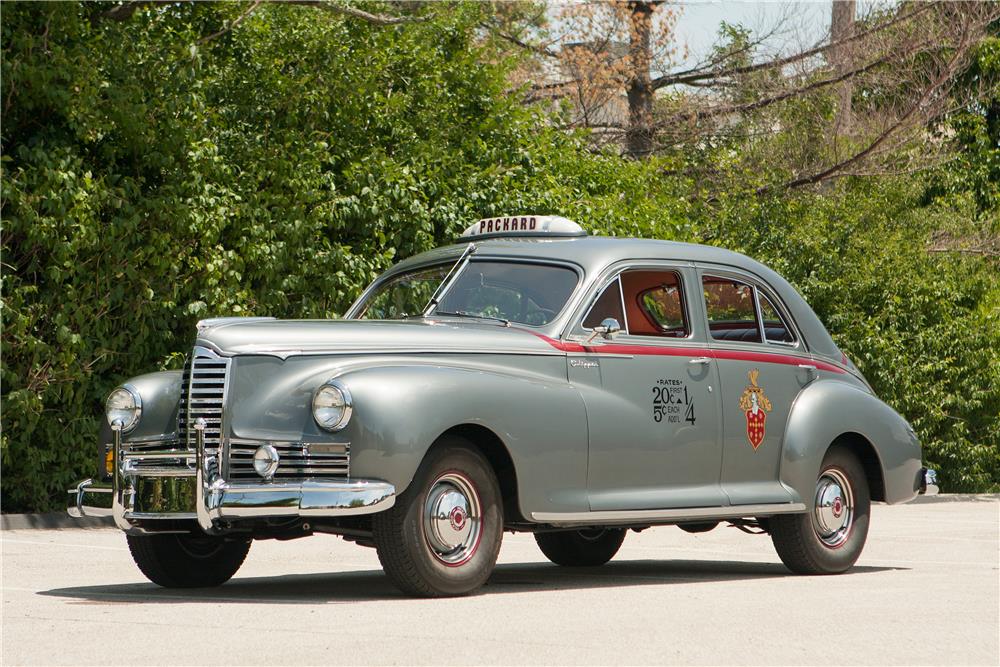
x: 523, y: 225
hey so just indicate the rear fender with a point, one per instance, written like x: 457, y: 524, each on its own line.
x: 826, y: 410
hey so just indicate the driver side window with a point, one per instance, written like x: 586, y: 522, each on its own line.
x: 645, y: 302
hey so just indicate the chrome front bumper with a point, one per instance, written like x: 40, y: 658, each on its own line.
x: 139, y: 492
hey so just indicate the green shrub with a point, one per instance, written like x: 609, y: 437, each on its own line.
x: 149, y: 181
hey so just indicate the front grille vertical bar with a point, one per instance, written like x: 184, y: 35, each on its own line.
x: 205, y: 391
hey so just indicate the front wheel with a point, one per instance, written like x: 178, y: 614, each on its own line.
x: 442, y: 537
x: 581, y: 548
x: 187, y: 561
x: 829, y: 539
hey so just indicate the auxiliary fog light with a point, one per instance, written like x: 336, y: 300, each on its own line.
x: 265, y: 461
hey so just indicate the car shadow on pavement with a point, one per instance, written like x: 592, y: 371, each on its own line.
x: 368, y: 585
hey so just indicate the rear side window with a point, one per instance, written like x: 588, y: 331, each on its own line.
x: 731, y: 308
x: 776, y: 330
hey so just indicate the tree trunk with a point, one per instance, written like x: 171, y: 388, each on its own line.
x: 841, y: 27
x: 639, y: 136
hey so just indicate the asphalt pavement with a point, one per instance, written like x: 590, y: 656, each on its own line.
x: 926, y: 591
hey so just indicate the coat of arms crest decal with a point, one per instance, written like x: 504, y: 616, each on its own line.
x: 755, y: 405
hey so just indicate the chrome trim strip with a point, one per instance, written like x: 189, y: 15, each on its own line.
x: 606, y: 517
x: 149, y: 440
x: 284, y: 353
x: 131, y: 457
x: 157, y: 471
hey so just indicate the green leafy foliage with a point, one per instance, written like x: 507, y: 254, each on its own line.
x: 151, y: 179
x: 917, y: 324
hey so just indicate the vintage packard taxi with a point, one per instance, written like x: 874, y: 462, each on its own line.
x: 529, y: 378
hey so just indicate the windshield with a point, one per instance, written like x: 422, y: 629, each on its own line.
x: 404, y: 296
x: 531, y: 294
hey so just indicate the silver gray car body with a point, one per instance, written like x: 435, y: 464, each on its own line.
x: 567, y: 418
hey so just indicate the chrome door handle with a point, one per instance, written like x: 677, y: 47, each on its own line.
x: 700, y: 360
x: 808, y: 367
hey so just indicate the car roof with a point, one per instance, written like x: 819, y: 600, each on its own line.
x: 595, y: 253
x: 590, y: 252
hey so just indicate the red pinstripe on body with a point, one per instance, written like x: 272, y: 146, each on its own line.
x: 678, y: 351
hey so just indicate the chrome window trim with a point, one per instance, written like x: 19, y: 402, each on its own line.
x: 621, y: 299
x: 449, y: 279
x: 785, y: 319
x: 759, y: 313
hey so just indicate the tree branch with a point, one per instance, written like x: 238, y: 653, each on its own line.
x: 354, y: 12
x: 239, y: 19
x: 949, y: 71
x: 124, y: 11
x: 507, y: 37
x: 699, y: 75
x: 794, y: 92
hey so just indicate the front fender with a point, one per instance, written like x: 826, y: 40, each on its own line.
x: 826, y: 410
x: 400, y: 411
x: 160, y: 394
x: 402, y: 405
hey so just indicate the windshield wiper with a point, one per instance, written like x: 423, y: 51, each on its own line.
x: 462, y: 313
x: 445, y: 283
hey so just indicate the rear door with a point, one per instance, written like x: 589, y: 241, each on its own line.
x: 762, y: 368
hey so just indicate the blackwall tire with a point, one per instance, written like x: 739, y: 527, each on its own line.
x: 828, y: 539
x: 443, y: 535
x: 581, y: 548
x: 187, y: 561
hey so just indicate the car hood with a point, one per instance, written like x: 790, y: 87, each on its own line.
x: 286, y: 337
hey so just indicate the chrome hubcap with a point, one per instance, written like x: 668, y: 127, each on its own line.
x: 452, y: 519
x: 834, y: 513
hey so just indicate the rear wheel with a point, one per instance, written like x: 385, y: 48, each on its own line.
x: 581, y: 548
x: 187, y: 561
x: 829, y: 539
x: 443, y: 535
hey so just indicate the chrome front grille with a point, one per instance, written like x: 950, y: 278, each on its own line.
x: 203, y: 394
x: 297, y: 460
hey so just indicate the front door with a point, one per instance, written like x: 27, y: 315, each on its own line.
x: 762, y: 370
x: 652, y: 396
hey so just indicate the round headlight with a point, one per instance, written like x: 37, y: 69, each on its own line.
x: 332, y: 406
x: 125, y: 406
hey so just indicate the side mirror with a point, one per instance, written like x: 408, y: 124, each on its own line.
x: 608, y: 328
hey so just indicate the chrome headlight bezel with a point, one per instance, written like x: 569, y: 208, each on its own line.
x: 332, y: 387
x: 136, y: 409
